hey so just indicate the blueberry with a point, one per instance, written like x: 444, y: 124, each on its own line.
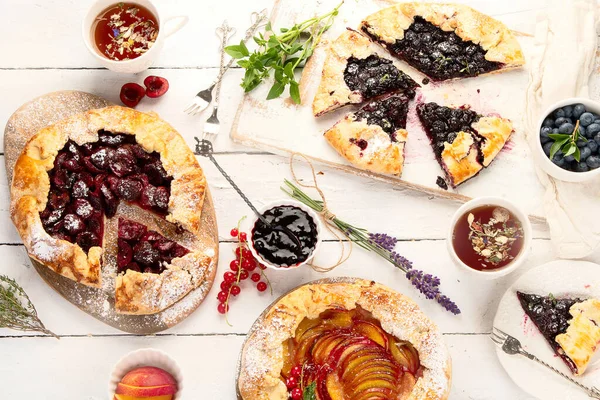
x: 592, y: 129
x: 581, y: 167
x: 548, y: 122
x: 544, y: 132
x: 581, y: 143
x: 597, y: 121
x: 586, y: 119
x: 562, y: 120
x: 597, y: 137
x: 568, y: 111
x: 569, y: 158
x: 559, y: 113
x: 585, y: 153
x: 546, y: 148
x: 555, y: 130
x: 578, y: 109
x: 558, y: 160
x: 566, y: 128
x: 582, y: 131
x: 592, y: 145
x: 593, y: 162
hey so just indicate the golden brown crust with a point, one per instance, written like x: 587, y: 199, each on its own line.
x: 495, y: 131
x: 460, y: 158
x: 30, y: 188
x: 381, y: 154
x: 492, y: 35
x: 262, y: 354
x: 333, y: 92
x: 582, y: 338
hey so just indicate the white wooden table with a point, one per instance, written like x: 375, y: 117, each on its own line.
x: 42, y: 51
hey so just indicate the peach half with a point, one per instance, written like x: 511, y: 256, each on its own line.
x: 146, y: 383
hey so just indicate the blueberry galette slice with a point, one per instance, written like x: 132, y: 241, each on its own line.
x: 571, y: 326
x: 373, y: 137
x: 464, y: 142
x: 74, y: 176
x: 444, y: 41
x: 354, y: 72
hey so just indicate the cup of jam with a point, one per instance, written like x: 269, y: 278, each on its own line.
x: 127, y: 36
x: 289, y: 240
x: 489, y: 236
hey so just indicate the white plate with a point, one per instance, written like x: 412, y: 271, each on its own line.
x: 561, y: 278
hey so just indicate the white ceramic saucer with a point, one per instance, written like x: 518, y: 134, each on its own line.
x: 561, y: 278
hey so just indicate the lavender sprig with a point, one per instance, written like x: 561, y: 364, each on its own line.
x: 383, y: 245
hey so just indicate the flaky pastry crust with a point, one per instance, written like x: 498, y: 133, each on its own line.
x: 262, y: 354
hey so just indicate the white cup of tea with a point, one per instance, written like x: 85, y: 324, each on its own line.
x: 167, y: 26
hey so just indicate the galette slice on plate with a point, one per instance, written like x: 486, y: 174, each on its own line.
x: 464, y: 142
x: 444, y: 41
x: 354, y: 71
x: 571, y: 326
x: 373, y: 137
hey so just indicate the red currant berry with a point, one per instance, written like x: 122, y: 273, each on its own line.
x: 229, y: 277
x: 222, y: 308
x: 235, y: 290
x: 234, y: 232
x: 247, y: 254
x: 255, y: 277
x: 261, y: 286
x: 234, y: 265
x: 296, y: 394
x: 243, y: 237
x: 243, y: 275
x: 238, y: 251
x: 291, y: 383
x: 296, y: 371
x: 222, y: 296
x: 262, y: 266
x: 248, y: 264
x: 225, y: 286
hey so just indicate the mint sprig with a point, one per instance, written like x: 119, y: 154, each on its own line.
x: 280, y: 54
x: 310, y: 392
x: 567, y: 143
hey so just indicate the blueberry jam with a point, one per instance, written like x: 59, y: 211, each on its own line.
x: 551, y: 316
x: 275, y: 246
x: 88, y: 181
x: 389, y: 113
x: 142, y: 250
x: 374, y: 76
x: 439, y: 54
x: 443, y: 123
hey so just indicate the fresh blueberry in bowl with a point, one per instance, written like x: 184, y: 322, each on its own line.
x: 569, y: 140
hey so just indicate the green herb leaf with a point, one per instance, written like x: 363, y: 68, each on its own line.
x: 237, y: 50
x: 556, y: 146
x: 310, y: 392
x: 295, y: 92
x: 569, y: 149
x: 268, y: 27
x: 558, y: 136
x: 289, y: 70
x: 577, y: 154
x: 276, y: 90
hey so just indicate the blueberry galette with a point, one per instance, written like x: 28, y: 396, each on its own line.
x: 72, y: 177
x: 373, y: 137
x: 353, y: 340
x: 571, y: 326
x: 354, y: 72
x: 463, y: 141
x: 444, y: 41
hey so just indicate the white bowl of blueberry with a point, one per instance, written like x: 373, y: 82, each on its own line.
x: 569, y: 145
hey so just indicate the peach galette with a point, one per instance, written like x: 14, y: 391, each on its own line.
x: 72, y: 177
x: 352, y: 339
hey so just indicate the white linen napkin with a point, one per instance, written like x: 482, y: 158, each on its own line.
x: 561, y: 63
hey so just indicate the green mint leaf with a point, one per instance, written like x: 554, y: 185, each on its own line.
x: 310, y: 392
x: 289, y: 70
x: 555, y: 148
x: 244, y: 49
x: 268, y: 27
x: 279, y: 75
x: 558, y: 136
x: 569, y: 149
x: 276, y: 90
x: 577, y: 154
x: 284, y: 30
x: 295, y: 92
x: 235, y: 51
x: 272, y: 42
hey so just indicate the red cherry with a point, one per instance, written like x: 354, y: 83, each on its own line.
x: 261, y: 286
x: 222, y: 308
x: 156, y: 86
x: 243, y: 275
x: 255, y: 277
x: 234, y: 232
x: 225, y: 286
x: 296, y: 371
x: 296, y: 394
x: 131, y: 94
x: 222, y: 297
x: 234, y: 265
x: 243, y: 236
x: 235, y: 290
x: 229, y: 277
x: 291, y: 383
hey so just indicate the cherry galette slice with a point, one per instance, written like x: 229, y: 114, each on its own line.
x: 354, y: 71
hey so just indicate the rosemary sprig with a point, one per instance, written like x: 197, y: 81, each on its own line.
x: 425, y: 283
x: 16, y: 309
x: 281, y: 53
x: 567, y: 143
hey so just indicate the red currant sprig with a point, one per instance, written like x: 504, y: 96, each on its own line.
x: 294, y: 383
x: 240, y: 269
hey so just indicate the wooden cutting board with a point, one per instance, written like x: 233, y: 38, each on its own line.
x: 99, y: 303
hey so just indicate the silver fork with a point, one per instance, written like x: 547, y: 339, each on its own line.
x: 511, y: 345
x: 204, y: 97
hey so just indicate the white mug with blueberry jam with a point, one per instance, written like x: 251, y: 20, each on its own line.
x: 127, y: 36
x: 569, y: 140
